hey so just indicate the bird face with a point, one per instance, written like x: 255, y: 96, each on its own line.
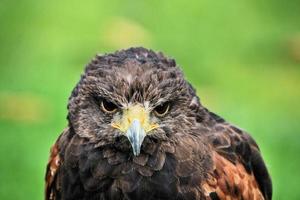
x: 135, y: 120
x: 143, y: 96
x: 135, y: 123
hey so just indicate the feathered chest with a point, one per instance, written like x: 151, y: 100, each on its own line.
x: 161, y: 171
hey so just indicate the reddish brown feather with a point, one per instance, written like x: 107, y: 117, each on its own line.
x: 52, y: 167
x: 231, y: 181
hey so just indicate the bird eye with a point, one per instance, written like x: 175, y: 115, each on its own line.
x: 108, y: 106
x: 162, y: 109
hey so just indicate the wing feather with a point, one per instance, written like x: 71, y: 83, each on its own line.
x: 231, y: 181
x: 239, y: 170
x: 52, y: 186
x: 51, y: 173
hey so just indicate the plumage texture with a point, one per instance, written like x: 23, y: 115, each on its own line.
x: 193, y: 154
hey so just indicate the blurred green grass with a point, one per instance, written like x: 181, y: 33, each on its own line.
x: 242, y: 56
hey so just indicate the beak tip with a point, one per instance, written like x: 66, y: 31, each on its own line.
x: 136, y: 153
x: 135, y: 135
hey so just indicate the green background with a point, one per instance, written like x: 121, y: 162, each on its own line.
x: 242, y: 56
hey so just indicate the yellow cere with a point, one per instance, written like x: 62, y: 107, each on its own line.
x: 137, y: 112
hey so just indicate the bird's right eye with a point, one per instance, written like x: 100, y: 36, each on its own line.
x: 162, y: 109
x: 108, y: 106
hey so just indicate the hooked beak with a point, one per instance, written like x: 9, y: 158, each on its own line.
x: 136, y: 135
x: 135, y: 125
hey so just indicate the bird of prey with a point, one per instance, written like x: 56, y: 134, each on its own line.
x: 137, y: 130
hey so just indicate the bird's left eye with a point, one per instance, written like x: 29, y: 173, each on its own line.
x: 108, y: 106
x: 162, y: 109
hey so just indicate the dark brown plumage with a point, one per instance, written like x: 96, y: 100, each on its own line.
x: 137, y: 130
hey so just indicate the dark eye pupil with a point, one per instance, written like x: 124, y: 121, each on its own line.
x: 161, y: 109
x: 109, y: 106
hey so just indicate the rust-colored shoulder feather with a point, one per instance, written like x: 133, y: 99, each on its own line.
x: 230, y: 181
x: 52, y: 167
x: 238, y: 169
x: 51, y: 183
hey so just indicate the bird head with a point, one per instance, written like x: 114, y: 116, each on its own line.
x: 135, y: 93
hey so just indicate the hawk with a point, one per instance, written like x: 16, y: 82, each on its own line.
x: 137, y: 130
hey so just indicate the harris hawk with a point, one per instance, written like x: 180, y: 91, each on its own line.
x: 137, y: 130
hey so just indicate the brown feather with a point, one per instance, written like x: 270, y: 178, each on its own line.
x: 231, y: 181
x: 52, y: 167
